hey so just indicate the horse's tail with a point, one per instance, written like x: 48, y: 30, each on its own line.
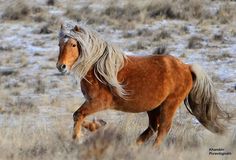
x: 203, y: 102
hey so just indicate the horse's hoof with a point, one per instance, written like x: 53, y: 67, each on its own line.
x: 74, y: 136
x: 102, y: 122
x: 94, y: 125
x: 156, y: 146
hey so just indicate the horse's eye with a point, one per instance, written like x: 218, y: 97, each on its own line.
x: 73, y: 45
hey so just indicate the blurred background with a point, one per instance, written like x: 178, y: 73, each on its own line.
x: 37, y: 102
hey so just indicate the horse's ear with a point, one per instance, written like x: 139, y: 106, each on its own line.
x: 76, y: 28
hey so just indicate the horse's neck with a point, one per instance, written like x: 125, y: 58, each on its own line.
x: 89, y: 76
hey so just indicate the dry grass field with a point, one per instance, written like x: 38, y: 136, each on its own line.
x: 37, y: 102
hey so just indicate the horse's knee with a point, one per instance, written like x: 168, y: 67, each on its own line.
x: 77, y: 115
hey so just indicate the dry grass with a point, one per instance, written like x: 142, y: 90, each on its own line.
x: 144, y: 32
x: 17, y: 11
x: 22, y: 10
x: 45, y: 30
x: 19, y: 105
x: 36, y: 111
x: 6, y: 71
x: 195, y: 42
x: 111, y: 142
x: 74, y: 13
x: 184, y: 29
x: 51, y: 2
x: 140, y: 45
x: 219, y: 36
x: 222, y: 56
x: 160, y: 50
x: 226, y: 13
x: 153, y: 37
x: 142, y: 12
x: 40, y: 86
x: 129, y: 14
x: 85, y: 13
x: 161, y: 34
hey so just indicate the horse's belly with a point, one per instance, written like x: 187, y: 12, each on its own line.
x: 140, y: 103
x: 135, y: 108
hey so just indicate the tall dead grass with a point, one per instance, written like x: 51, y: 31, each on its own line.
x: 16, y: 11
x: 130, y: 13
x: 34, y: 139
x: 226, y: 13
x: 22, y: 10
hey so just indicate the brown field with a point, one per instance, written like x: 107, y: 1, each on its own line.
x: 37, y: 102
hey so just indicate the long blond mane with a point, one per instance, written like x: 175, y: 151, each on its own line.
x: 106, y: 59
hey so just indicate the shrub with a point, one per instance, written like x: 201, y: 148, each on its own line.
x: 226, y: 13
x: 45, y: 30
x: 39, y: 86
x: 162, y: 8
x: 162, y: 34
x: 20, y: 105
x: 21, y: 10
x: 219, y: 36
x: 195, y: 42
x: 18, y: 11
x: 138, y: 46
x: 160, y: 50
x: 51, y: 2
x: 78, y: 14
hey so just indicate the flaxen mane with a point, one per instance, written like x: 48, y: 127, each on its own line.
x: 94, y: 51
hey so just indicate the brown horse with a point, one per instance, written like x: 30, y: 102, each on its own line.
x: 156, y: 84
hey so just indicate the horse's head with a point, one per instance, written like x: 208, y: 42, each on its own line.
x: 68, y: 52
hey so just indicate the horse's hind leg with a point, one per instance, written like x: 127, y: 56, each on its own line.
x: 152, y: 128
x: 167, y: 111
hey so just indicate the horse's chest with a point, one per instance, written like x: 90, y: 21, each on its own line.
x: 89, y: 88
x: 93, y: 89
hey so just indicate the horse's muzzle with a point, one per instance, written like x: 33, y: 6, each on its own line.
x: 62, y: 68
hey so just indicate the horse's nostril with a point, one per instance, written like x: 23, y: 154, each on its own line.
x: 63, y: 66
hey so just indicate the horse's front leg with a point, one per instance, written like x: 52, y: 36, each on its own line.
x: 89, y: 107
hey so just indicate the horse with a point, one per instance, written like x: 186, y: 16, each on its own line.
x: 156, y: 84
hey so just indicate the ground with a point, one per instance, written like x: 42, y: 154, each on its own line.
x: 37, y: 102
